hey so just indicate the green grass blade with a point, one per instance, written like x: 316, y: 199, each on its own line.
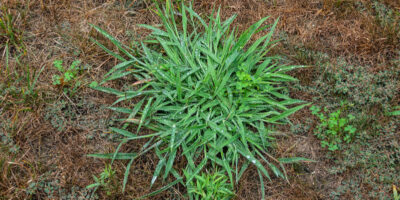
x: 286, y: 113
x: 119, y: 156
x: 294, y: 160
x: 126, y: 174
x: 113, y: 40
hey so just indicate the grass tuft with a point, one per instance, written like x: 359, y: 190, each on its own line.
x: 206, y: 94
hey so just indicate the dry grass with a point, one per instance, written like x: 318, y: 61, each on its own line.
x: 60, y: 30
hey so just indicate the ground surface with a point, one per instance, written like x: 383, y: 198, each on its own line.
x: 351, y: 46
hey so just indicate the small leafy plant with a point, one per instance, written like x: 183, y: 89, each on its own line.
x: 204, y: 96
x: 210, y: 186
x: 104, y: 180
x: 334, y: 129
x: 68, y: 74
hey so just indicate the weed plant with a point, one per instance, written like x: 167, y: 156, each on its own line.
x: 104, y: 180
x: 63, y: 113
x: 334, y: 129
x: 68, y: 80
x: 68, y: 74
x: 9, y: 34
x: 209, y: 186
x: 206, y: 94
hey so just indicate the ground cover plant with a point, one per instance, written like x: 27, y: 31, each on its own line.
x: 206, y: 96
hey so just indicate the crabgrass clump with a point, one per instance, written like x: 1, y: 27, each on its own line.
x: 205, y: 96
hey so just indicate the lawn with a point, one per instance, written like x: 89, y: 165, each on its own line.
x: 116, y: 100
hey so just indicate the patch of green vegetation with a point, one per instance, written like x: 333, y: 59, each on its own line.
x: 387, y: 18
x: 68, y: 73
x: 302, y: 128
x: 68, y: 78
x: 204, y: 97
x: 373, y: 160
x: 50, y: 189
x: 367, y: 92
x: 20, y: 86
x: 104, y: 181
x: 62, y: 114
x: 210, y: 186
x: 7, y: 143
x: 369, y: 164
x: 9, y: 34
x: 334, y: 129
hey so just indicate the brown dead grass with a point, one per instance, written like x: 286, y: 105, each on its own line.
x: 60, y: 30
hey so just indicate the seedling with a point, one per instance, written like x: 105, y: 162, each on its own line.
x: 104, y: 180
x: 68, y: 74
x: 334, y: 129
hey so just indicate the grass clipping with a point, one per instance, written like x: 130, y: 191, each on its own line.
x: 203, y: 95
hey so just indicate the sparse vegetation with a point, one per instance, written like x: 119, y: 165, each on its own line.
x: 10, y: 35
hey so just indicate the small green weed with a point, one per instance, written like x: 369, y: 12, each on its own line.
x: 210, y: 186
x: 68, y: 74
x: 9, y: 34
x: 334, y: 129
x: 104, y: 180
x: 68, y: 80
